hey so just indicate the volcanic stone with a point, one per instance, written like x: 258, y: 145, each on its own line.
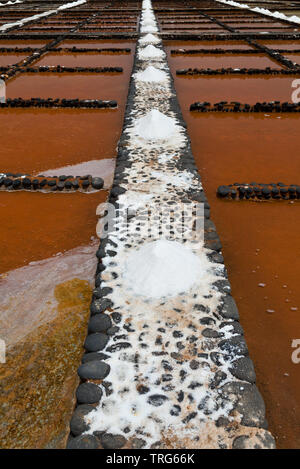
x: 93, y: 370
x: 99, y: 323
x: 96, y: 341
x: 234, y: 346
x: 156, y: 399
x: 97, y: 183
x: 83, y: 442
x: 78, y: 424
x: 243, y: 369
x: 110, y: 441
x: 88, y: 393
x: 248, y: 402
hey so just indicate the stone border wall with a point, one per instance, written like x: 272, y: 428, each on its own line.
x: 170, y: 372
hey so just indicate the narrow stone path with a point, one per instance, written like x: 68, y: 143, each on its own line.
x: 166, y: 363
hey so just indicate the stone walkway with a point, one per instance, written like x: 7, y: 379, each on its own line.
x: 166, y: 363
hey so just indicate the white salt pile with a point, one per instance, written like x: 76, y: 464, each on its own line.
x: 155, y: 126
x: 162, y: 268
x: 152, y: 75
x: 149, y: 29
x: 151, y: 52
x: 149, y: 39
x: 148, y: 15
x: 148, y: 22
x: 147, y: 5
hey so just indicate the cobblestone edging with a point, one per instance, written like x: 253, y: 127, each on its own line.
x: 260, y: 191
x: 59, y: 103
x: 168, y: 372
x: 235, y: 106
x: 235, y: 71
x: 63, y: 183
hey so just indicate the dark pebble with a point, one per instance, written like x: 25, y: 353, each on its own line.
x: 99, y: 323
x: 96, y: 341
x: 97, y: 183
x: 89, y: 357
x: 93, y: 370
x: 88, y: 393
x: 223, y: 191
x: 83, y: 442
x: 78, y: 424
x: 100, y: 305
x: 156, y: 399
x: 110, y: 441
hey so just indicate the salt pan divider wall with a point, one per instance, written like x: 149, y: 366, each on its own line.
x: 166, y: 363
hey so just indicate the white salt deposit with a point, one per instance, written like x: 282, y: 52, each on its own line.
x: 183, y: 179
x: 148, y: 15
x: 149, y: 29
x: 147, y: 5
x: 65, y: 6
x: 134, y: 199
x: 10, y: 3
x: 152, y: 75
x: 96, y: 168
x: 165, y: 158
x: 264, y: 11
x: 148, y: 22
x: 149, y: 39
x: 151, y: 52
x: 163, y: 268
x: 21, y: 313
x: 155, y: 126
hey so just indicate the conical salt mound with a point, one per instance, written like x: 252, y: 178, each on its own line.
x: 148, y: 22
x: 148, y: 15
x: 149, y: 29
x: 149, y: 39
x: 151, y: 52
x: 151, y: 75
x: 155, y: 126
x: 162, y: 268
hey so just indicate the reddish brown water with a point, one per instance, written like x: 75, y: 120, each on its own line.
x: 170, y: 45
x: 85, y: 60
x: 38, y: 225
x: 280, y: 44
x: 221, y: 60
x: 39, y: 378
x: 260, y: 241
x: 110, y: 86
x: 260, y: 24
x: 97, y: 44
x: 9, y: 59
x: 271, y: 30
x: 247, y: 89
x: 191, y: 27
x: 22, y: 43
x: 293, y: 57
x: 33, y: 141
